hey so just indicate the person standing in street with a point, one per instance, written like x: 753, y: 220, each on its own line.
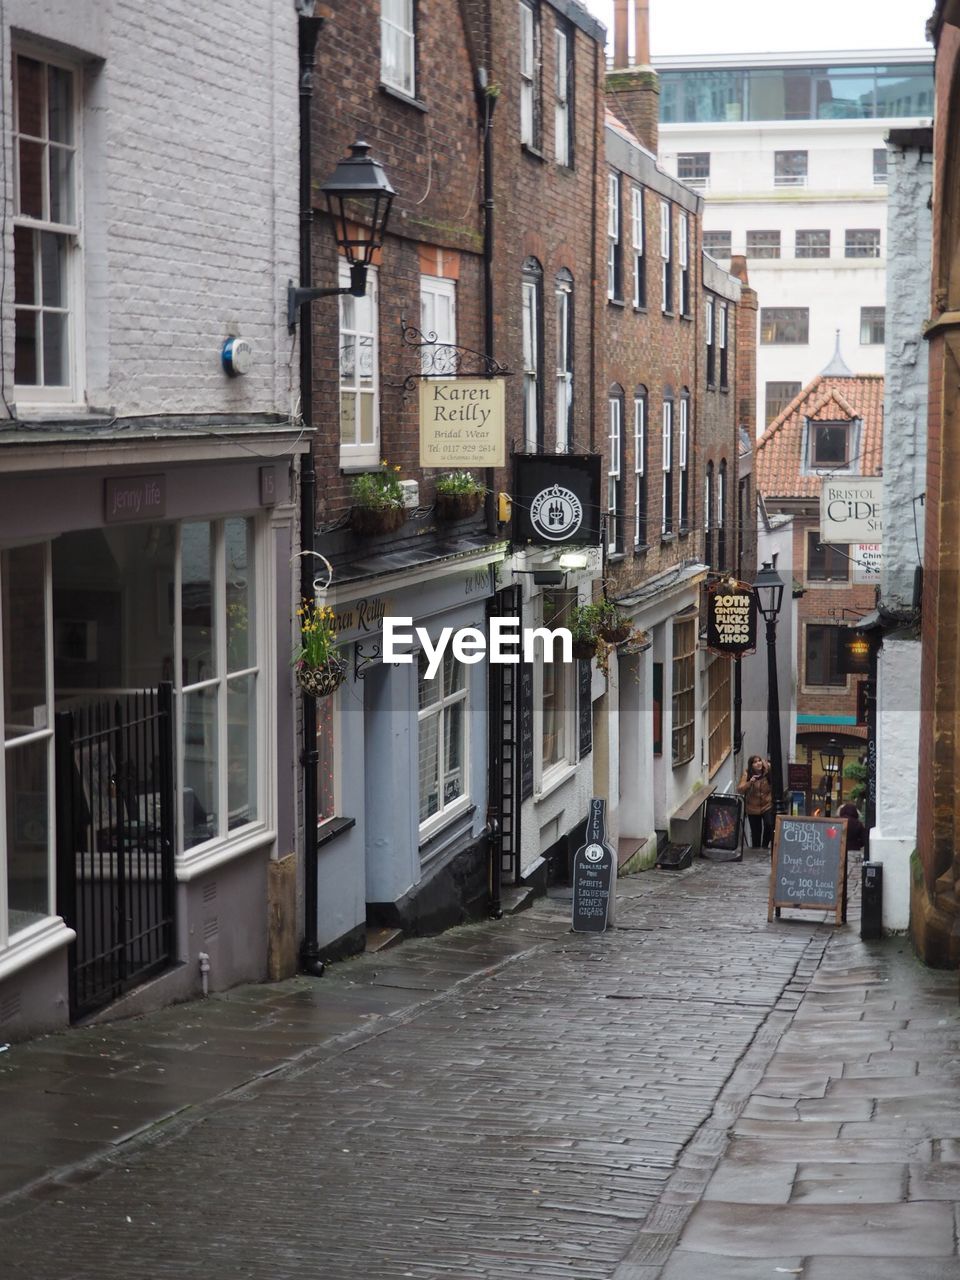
x: 757, y: 792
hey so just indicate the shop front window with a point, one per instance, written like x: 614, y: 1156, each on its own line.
x: 26, y: 831
x: 443, y: 738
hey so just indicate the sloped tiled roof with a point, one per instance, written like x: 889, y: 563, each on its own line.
x: 778, y: 467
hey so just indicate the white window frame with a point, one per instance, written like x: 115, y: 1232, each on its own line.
x: 446, y: 812
x: 358, y: 454
x: 257, y: 578
x: 639, y: 467
x: 32, y: 933
x: 613, y: 233
x: 547, y: 776
x: 614, y: 470
x: 69, y: 233
x: 682, y: 451
x: 530, y: 299
x: 438, y: 315
x: 666, y: 462
x: 683, y: 248
x: 563, y: 294
x: 666, y: 284
x: 529, y: 75
x: 636, y: 217
x: 399, y: 29
x: 562, y: 148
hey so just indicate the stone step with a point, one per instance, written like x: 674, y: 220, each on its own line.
x: 516, y: 898
x: 380, y: 939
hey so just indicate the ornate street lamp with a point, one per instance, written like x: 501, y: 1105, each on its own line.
x: 358, y: 195
x: 768, y: 587
x: 831, y: 757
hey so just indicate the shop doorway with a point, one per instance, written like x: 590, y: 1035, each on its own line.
x: 115, y: 830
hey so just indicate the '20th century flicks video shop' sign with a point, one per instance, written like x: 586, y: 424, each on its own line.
x: 556, y: 499
x: 731, y: 618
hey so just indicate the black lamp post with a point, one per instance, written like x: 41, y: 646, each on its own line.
x: 768, y: 588
x: 830, y: 757
x: 358, y: 195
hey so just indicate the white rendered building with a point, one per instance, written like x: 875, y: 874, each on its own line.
x: 789, y: 152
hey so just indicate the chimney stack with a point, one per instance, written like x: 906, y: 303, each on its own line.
x: 746, y: 376
x: 633, y: 87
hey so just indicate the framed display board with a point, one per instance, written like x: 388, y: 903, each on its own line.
x: 722, y: 831
x: 808, y: 868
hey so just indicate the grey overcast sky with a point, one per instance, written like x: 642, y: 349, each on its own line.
x: 761, y: 26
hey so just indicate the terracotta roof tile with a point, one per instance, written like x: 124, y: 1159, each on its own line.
x: 825, y: 399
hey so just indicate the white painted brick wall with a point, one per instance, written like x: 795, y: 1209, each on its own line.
x: 190, y: 171
x: 905, y: 382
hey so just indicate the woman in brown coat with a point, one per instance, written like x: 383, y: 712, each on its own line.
x: 757, y: 791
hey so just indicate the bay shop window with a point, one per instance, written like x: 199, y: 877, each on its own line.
x: 97, y: 614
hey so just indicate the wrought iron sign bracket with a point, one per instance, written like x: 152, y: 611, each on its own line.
x: 446, y: 359
x: 362, y: 661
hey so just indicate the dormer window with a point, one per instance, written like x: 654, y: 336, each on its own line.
x: 829, y: 444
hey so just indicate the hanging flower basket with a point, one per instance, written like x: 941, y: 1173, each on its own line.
x: 614, y: 632
x: 583, y: 649
x: 321, y: 681
x: 367, y: 521
x: 457, y: 506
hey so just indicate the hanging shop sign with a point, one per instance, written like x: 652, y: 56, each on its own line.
x: 556, y: 499
x: 731, y: 618
x: 461, y: 422
x: 851, y: 509
x: 854, y: 656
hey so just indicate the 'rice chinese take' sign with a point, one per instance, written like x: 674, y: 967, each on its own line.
x: 731, y: 618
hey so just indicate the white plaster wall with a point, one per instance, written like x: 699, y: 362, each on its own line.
x: 905, y: 386
x: 773, y: 543
x: 893, y: 838
x: 190, y: 171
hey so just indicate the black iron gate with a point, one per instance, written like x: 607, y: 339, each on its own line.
x: 505, y: 755
x: 114, y: 797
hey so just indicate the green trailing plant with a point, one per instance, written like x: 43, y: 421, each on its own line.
x: 375, y: 490
x: 455, y: 483
x: 857, y: 773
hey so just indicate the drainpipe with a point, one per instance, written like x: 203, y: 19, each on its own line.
x: 310, y: 962
x: 488, y: 102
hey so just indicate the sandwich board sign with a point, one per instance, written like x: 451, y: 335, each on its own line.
x: 808, y: 866
x: 593, y: 874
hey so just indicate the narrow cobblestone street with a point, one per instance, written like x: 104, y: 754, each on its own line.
x: 512, y: 1100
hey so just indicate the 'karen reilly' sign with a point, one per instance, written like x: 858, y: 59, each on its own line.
x: 461, y: 422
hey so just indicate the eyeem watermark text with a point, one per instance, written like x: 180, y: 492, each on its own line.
x: 503, y: 643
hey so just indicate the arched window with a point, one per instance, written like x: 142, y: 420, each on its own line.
x: 708, y: 514
x: 683, y: 454
x: 615, y: 472
x: 666, y: 464
x: 563, y: 294
x: 532, y: 309
x: 640, y: 467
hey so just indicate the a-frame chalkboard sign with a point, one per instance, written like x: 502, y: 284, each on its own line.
x: 808, y: 868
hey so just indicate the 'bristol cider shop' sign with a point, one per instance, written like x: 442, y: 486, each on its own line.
x: 461, y: 422
x: 556, y: 499
x: 851, y: 509
x: 731, y: 618
x: 593, y: 874
x: 809, y: 866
